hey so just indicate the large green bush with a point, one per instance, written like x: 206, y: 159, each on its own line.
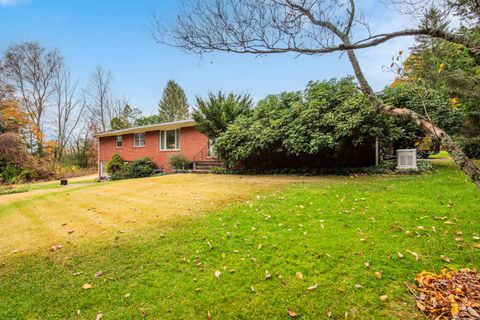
x: 470, y: 145
x: 329, y: 124
x: 140, y: 168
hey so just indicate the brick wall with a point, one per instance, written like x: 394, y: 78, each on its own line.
x: 192, y: 144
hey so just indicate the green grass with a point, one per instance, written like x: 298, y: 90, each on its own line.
x: 440, y: 155
x: 325, y: 231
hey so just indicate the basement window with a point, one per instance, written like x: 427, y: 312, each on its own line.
x: 170, y: 139
x: 118, y: 141
x: 139, y: 139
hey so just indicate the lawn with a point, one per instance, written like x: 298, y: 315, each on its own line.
x: 341, y: 235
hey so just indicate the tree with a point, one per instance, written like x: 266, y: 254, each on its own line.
x: 174, y: 104
x: 302, y: 27
x: 31, y: 69
x: 98, y: 97
x: 12, y: 117
x: 147, y: 120
x: 126, y: 118
x: 68, y: 110
x: 213, y: 115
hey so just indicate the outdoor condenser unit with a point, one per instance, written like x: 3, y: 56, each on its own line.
x: 406, y: 159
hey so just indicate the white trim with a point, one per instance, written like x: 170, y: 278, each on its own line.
x: 151, y: 127
x: 121, y: 136
x: 144, y: 140
x: 177, y: 140
x: 98, y: 157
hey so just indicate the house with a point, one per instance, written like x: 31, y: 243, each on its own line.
x: 156, y: 142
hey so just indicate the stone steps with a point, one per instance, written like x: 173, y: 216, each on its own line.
x: 206, y: 165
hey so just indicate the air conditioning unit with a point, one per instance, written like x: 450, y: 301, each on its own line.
x: 406, y: 159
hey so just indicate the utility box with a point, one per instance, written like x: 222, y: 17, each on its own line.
x: 407, y: 159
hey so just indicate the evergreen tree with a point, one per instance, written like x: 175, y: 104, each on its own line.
x: 213, y: 115
x: 174, y: 104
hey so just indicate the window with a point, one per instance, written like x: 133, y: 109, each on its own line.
x: 139, y: 140
x: 118, y: 141
x: 170, y: 140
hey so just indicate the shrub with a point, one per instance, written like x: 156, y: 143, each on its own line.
x: 140, y: 168
x: 179, y: 162
x: 470, y: 145
x: 330, y: 124
x: 115, y: 164
x: 386, y: 167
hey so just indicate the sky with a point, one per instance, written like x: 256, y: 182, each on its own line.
x: 113, y: 34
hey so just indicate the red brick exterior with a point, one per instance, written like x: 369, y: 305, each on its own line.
x: 193, y: 144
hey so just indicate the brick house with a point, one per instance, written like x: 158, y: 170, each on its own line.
x: 156, y: 142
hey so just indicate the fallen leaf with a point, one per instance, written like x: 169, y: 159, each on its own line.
x: 299, y: 275
x: 400, y: 256
x: 445, y: 258
x: 87, y: 286
x: 378, y: 275
x: 268, y: 276
x: 314, y: 287
x: 476, y: 245
x: 417, y: 257
x: 367, y: 264
x: 209, y: 315
x: 99, y: 316
x: 359, y: 286
x: 292, y: 313
x: 455, y: 310
x: 77, y: 273
x: 384, y: 298
x: 217, y: 274
x: 99, y: 274
x: 329, y: 313
x: 57, y: 247
x: 210, y: 245
x: 473, y: 313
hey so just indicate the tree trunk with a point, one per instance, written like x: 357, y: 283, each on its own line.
x: 460, y: 158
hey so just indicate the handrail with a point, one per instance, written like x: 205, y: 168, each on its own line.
x: 201, y: 153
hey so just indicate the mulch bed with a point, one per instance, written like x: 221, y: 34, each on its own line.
x: 449, y: 295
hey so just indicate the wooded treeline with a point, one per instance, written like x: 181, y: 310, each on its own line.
x: 47, y: 122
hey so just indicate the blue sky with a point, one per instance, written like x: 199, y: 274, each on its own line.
x: 112, y: 34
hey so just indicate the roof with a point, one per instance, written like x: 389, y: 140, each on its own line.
x: 150, y: 127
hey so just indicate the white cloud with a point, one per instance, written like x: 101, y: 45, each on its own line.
x: 11, y: 3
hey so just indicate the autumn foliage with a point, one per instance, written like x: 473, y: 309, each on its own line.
x: 449, y: 295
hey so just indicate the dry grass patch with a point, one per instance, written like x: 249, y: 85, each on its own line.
x: 45, y: 218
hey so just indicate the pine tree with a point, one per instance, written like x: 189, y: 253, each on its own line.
x: 174, y: 104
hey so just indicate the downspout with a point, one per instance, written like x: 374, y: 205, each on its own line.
x: 376, y: 152
x: 98, y: 158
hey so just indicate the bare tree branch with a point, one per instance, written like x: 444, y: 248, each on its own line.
x: 303, y: 27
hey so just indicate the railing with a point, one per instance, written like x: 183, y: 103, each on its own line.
x: 202, y: 154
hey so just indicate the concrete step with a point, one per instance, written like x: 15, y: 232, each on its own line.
x: 201, y: 171
x: 206, y: 165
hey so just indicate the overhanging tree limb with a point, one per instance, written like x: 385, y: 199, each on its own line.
x: 304, y: 27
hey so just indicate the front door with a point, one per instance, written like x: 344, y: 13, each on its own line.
x: 211, y: 149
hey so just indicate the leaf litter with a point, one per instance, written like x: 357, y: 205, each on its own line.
x: 451, y: 294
